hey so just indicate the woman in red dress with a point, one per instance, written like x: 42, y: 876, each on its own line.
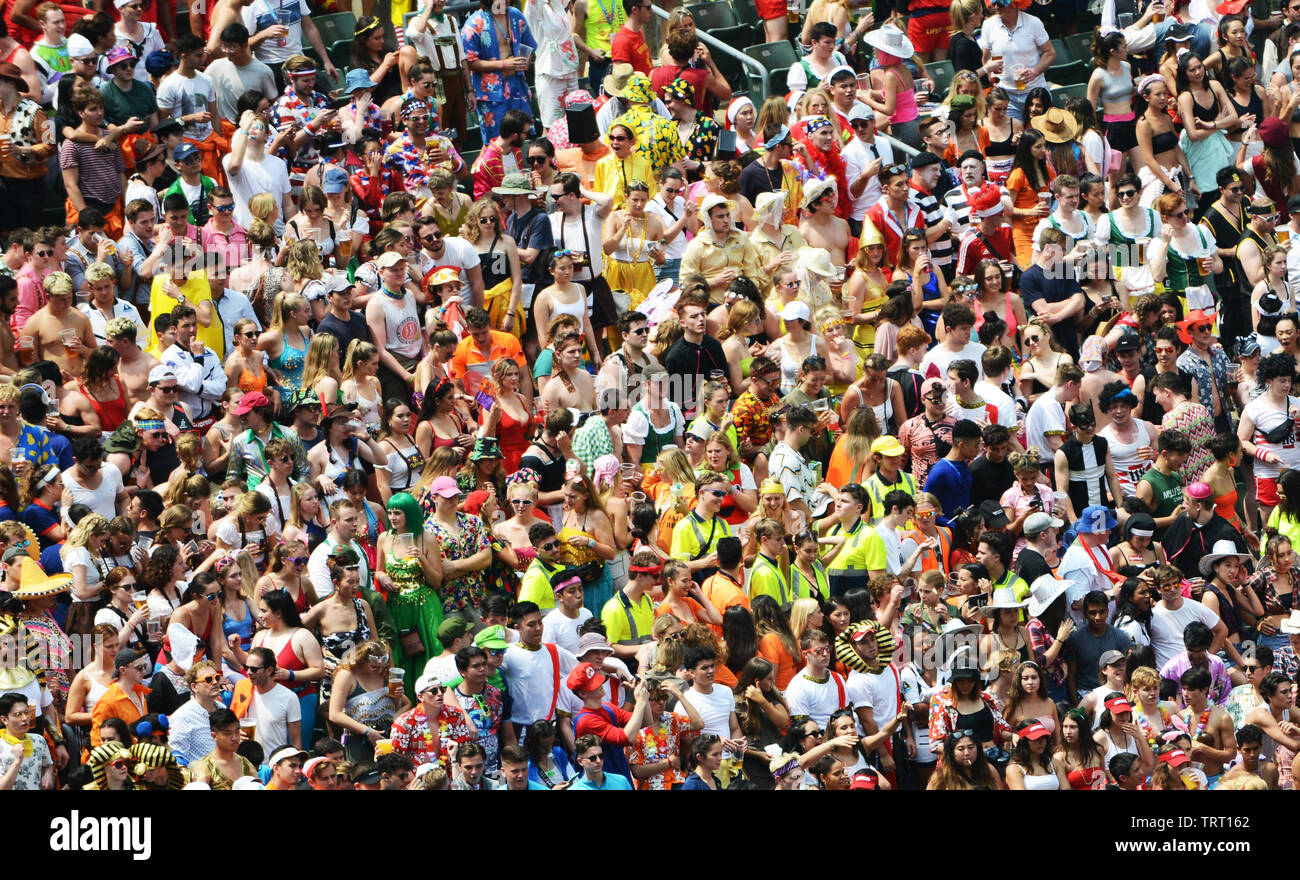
x: 509, y: 419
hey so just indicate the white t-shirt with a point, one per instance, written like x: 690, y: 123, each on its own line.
x: 1045, y: 415
x: 121, y: 309
x: 857, y: 156
x: 530, y: 675
x: 101, y: 500
x: 817, y: 700
x: 990, y: 393
x: 893, y: 550
x: 563, y: 631
x: 938, y: 359
x: 1167, y: 627
x: 569, y: 231
x: 275, y: 710
x: 1077, y: 567
x: 659, y: 208
x: 715, y: 709
x: 880, y: 691
x: 269, y: 175
x: 74, y: 557
x: 262, y: 14
x: 182, y: 95
x: 457, y: 254
x: 1268, y: 418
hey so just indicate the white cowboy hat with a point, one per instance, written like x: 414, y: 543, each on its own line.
x: 816, y: 189
x: 818, y: 262
x: 1003, y: 597
x: 891, y: 40
x: 1045, y: 590
x: 1223, y: 548
x: 956, y: 638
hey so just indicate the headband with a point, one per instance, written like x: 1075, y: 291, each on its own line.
x: 1142, y: 533
x: 645, y: 569
x: 228, y: 560
x: 365, y: 29
x: 1148, y: 81
x: 306, y: 71
x: 149, y: 424
x: 564, y: 585
x: 785, y: 768
x: 413, y: 107
x: 48, y: 478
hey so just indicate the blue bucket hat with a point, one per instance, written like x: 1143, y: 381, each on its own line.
x: 356, y: 81
x: 1096, y: 518
x: 335, y: 180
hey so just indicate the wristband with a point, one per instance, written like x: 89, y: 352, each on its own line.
x: 1260, y: 453
x: 290, y: 675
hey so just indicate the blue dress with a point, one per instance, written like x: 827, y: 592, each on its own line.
x: 289, y: 363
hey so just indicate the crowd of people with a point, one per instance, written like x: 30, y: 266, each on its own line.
x: 871, y: 437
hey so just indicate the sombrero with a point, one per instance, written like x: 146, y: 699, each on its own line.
x: 35, y: 583
x: 866, y: 629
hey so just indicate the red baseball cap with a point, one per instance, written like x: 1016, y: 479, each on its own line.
x: 584, y: 677
x: 1036, y: 731
x: 1117, y: 706
x: 864, y: 782
x: 1175, y: 758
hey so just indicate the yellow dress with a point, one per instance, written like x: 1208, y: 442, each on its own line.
x: 864, y: 335
x: 630, y: 268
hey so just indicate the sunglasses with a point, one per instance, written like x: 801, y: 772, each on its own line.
x: 717, y: 493
x: 817, y: 732
x: 210, y: 679
x: 170, y: 389
x: 118, y: 764
x: 537, y: 160
x: 525, y: 502
x: 640, y: 331
x: 224, y: 209
x: 487, y: 220
x: 250, y: 334
x: 44, y: 253
x: 926, y: 514
x: 550, y: 545
x: 1127, y: 193
x: 496, y: 652
x: 212, y: 597
x: 299, y: 560
x: 1250, y: 668
x: 617, y: 137
x: 820, y: 652
x: 249, y: 670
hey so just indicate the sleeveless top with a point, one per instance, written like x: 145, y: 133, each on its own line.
x: 790, y: 369
x: 1227, y: 609
x: 340, y: 643
x: 495, y: 266
x: 1123, y: 242
x: 111, y: 412
x: 1163, y: 142
x: 1116, y: 87
x: 290, y: 361
x: 1254, y: 105
x: 1087, y: 471
x: 242, y: 628
x: 1129, y: 468
x: 285, y: 658
x: 1045, y: 782
x: 450, y: 226
x: 1209, y: 114
x: 577, y: 309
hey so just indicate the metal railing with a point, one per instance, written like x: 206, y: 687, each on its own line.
x: 731, y: 52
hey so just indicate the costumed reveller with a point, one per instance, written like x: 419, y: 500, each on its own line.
x: 656, y: 137
x: 413, y: 562
x: 817, y: 157
x: 497, y: 71
x: 775, y: 242
x: 893, y: 214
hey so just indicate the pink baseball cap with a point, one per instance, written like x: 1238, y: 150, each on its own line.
x: 444, y: 486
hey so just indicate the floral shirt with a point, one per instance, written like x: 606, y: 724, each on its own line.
x: 411, y: 735
x: 290, y: 109
x: 921, y: 439
x: 751, y: 418
x: 656, y: 137
x: 943, y: 718
x: 1208, y: 376
x: 1242, y: 700
x: 468, y: 589
x: 29, y: 773
x: 480, y: 37
x: 656, y: 743
x: 486, y: 710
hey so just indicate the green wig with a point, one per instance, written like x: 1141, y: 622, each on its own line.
x: 406, y: 503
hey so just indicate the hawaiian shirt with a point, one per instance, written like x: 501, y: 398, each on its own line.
x: 290, y: 109
x: 34, y: 445
x: 699, y: 146
x: 411, y: 735
x: 656, y: 137
x: 468, y: 589
x: 408, y: 160
x: 657, y: 743
x: 486, y: 710
x: 751, y: 418
x: 480, y: 37
x: 1208, y: 376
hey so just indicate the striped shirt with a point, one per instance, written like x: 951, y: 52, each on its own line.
x: 99, y: 173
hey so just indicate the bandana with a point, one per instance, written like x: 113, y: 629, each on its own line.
x: 816, y: 123
x: 306, y: 71
x: 523, y: 475
x: 645, y: 569
x: 28, y: 748
x: 564, y: 585
x: 414, y: 107
x: 149, y: 424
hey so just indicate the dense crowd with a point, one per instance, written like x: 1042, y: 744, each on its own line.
x: 517, y: 406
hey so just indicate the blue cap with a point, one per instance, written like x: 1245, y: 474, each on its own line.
x: 356, y: 80
x: 334, y: 180
x: 1096, y: 518
x: 184, y: 150
x: 158, y: 63
x: 777, y: 138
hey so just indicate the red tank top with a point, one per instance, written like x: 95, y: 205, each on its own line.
x: 287, y: 659
x: 111, y: 412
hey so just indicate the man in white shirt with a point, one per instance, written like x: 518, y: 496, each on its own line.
x: 251, y: 171
x: 997, y: 362
x: 1171, y: 615
x: 277, y: 30
x: 875, y: 688
x: 535, y: 674
x: 577, y: 227
x: 560, y: 625
x: 959, y: 319
x: 104, y: 305
x: 817, y: 690
x: 199, y: 372
x: 187, y: 93
x: 342, y: 533
x: 275, y: 707
x: 1023, y: 51
x: 1045, y: 422
x: 440, y: 251
x: 1087, y: 561
x: 864, y: 156
x: 716, y: 705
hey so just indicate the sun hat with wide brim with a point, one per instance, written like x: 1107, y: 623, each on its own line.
x: 36, y: 583
x: 955, y: 634
x: 1056, y: 125
x: 1003, y: 598
x: 1223, y: 549
x: 890, y: 40
x: 616, y: 80
x: 1045, y: 590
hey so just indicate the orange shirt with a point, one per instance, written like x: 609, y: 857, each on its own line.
x: 503, y: 345
x: 115, y: 704
x: 1025, y: 195
x: 723, y: 592
x: 771, y: 650
x: 842, y: 469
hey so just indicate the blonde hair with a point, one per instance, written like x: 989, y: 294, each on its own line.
x: 187, y: 450
x: 58, y: 284
x: 90, y: 525
x: 99, y: 272
x: 470, y: 231
x: 295, y: 502
x: 981, y: 105
x: 320, y: 353
x: 1142, y: 677
x: 800, y: 611
x: 961, y: 12
x: 263, y: 207
x: 359, y: 350
x: 773, y: 111
x: 807, y: 99
x: 675, y: 466
x: 364, y: 652
x: 283, y: 306
x: 176, y: 516
x: 304, y: 261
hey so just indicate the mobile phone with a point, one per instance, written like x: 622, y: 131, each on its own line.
x: 449, y: 133
x: 483, y: 400
x: 191, y: 547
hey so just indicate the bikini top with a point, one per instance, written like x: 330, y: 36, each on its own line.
x: 1209, y: 114
x: 1163, y: 142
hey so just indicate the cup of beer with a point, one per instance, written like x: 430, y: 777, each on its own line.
x: 248, y: 728
x: 345, y: 249
x: 1142, y: 250
x: 395, y: 676
x: 68, y: 336
x: 1283, y: 234
x: 26, y: 343
x: 383, y: 747
x: 1205, y: 265
x: 6, y: 146
x: 139, y: 599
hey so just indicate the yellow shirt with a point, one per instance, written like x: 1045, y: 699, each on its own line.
x: 687, y: 545
x: 766, y: 580
x: 768, y: 249
x: 196, y: 291
x: 704, y: 257
x: 615, y: 617
x: 536, y: 585
x: 614, y: 174
x: 863, y: 551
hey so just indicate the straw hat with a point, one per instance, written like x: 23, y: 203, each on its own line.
x: 616, y: 79
x: 1057, y: 126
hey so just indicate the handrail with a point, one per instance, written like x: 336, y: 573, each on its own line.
x: 745, y: 61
